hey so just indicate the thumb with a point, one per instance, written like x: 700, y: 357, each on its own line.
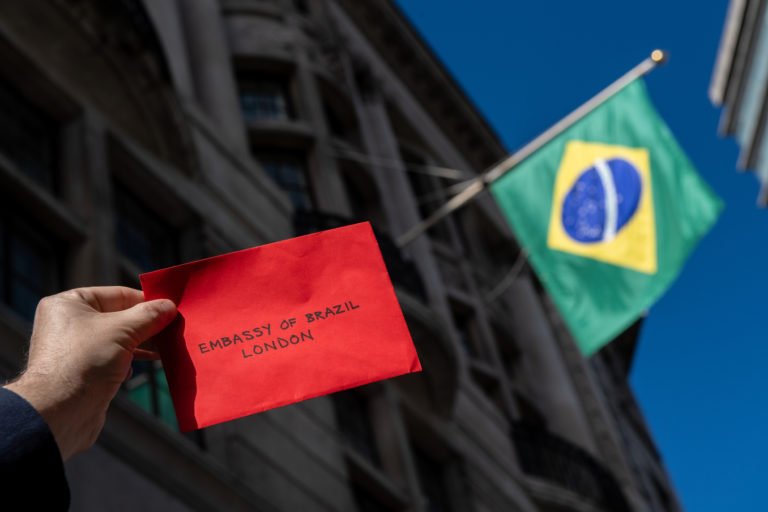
x: 146, y: 319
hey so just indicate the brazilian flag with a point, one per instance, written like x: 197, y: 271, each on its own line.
x: 609, y: 212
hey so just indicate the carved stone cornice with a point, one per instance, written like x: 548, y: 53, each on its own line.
x: 123, y: 35
x: 124, y: 28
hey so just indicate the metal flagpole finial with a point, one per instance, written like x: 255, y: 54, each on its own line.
x: 659, y: 56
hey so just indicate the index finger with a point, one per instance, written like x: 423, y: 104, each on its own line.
x: 108, y: 299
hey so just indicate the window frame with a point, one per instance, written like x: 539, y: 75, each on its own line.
x: 42, y: 212
x: 166, y: 244
x: 270, y: 106
x: 303, y: 188
x: 23, y: 110
x: 39, y: 237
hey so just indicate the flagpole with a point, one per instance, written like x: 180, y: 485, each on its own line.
x: 482, y: 181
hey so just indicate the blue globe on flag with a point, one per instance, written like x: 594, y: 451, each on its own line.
x: 602, y: 201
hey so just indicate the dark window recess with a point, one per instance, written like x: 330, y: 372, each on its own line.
x: 302, y: 6
x: 358, y: 202
x: 509, y: 351
x: 30, y: 267
x: 367, y: 501
x: 530, y: 414
x: 433, y: 482
x: 353, y: 416
x: 336, y: 125
x: 288, y: 171
x: 363, y: 195
x: 141, y: 236
x: 466, y: 328
x: 29, y: 138
x: 265, y: 99
x: 366, y: 83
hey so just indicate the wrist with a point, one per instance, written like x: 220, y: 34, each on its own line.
x: 53, y: 409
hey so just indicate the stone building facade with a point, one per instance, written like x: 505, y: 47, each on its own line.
x: 137, y: 135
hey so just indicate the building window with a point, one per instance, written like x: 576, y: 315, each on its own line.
x: 141, y: 236
x: 363, y: 194
x: 509, y: 351
x: 29, y: 138
x: 148, y: 388
x: 30, y: 267
x: 336, y: 126
x: 288, y: 171
x: 466, y: 327
x: 145, y: 243
x: 353, y: 417
x: 265, y: 100
x: 340, y: 117
x: 530, y: 413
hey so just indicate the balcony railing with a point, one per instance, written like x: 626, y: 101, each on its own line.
x: 546, y: 456
x: 403, y: 272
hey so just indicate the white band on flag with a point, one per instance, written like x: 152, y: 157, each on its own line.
x: 611, y: 200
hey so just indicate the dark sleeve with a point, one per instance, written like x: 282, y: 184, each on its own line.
x: 31, y: 470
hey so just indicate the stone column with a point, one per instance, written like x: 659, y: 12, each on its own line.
x: 212, y: 71
x: 327, y: 182
x: 166, y: 17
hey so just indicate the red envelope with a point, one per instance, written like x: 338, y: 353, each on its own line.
x: 277, y: 324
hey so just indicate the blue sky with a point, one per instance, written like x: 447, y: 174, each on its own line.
x: 700, y: 369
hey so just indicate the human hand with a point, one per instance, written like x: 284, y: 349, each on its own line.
x: 83, y: 342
